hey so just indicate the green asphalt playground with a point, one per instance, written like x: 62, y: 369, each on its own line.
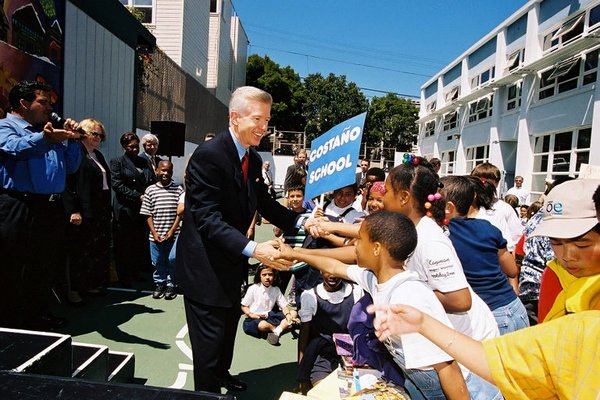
x: 156, y: 332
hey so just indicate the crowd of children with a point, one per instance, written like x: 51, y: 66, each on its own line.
x: 446, y: 247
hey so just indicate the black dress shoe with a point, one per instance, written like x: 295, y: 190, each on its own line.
x: 234, y: 385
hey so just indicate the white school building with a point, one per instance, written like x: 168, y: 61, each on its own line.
x: 526, y: 97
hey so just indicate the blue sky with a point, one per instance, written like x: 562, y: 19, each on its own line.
x: 386, y: 45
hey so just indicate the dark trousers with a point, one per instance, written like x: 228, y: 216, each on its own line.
x: 212, y: 335
x: 31, y: 230
x: 132, y: 253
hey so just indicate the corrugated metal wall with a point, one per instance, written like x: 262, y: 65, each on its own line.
x: 98, y: 77
x: 173, y: 95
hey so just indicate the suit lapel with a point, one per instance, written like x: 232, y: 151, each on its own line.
x: 230, y: 151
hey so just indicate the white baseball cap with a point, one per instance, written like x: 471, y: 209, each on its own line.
x: 569, y: 210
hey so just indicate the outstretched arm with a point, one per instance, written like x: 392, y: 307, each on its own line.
x: 397, y: 319
x: 451, y: 380
x: 325, y: 264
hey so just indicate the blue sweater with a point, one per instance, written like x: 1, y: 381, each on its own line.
x: 477, y: 242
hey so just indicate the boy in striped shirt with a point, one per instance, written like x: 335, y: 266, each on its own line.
x: 160, y: 206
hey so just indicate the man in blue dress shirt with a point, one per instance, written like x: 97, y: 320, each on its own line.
x: 34, y: 161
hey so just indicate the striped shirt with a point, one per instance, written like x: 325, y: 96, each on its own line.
x: 160, y: 202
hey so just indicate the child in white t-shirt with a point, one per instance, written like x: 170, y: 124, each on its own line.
x: 386, y: 240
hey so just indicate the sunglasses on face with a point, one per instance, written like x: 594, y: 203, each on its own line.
x: 97, y: 134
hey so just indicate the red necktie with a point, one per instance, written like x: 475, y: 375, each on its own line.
x: 245, y: 167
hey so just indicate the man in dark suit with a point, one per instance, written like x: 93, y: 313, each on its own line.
x: 212, y: 249
x: 150, y: 146
x: 361, y: 177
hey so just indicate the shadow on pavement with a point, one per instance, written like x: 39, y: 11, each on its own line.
x: 268, y: 383
x: 105, y: 314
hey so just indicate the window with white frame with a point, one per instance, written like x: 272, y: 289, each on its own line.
x: 515, y: 60
x: 431, y: 106
x: 481, y: 109
x: 450, y: 121
x: 594, y: 18
x: 558, y: 154
x: 569, y: 74
x: 452, y: 94
x: 590, y: 67
x: 448, y: 163
x: 568, y: 31
x: 481, y: 79
x: 430, y: 128
x: 146, y: 8
x: 476, y: 155
x: 513, y: 96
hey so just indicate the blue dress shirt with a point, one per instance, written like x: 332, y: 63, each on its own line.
x: 31, y: 164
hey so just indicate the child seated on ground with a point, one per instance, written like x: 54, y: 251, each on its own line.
x: 571, y: 281
x: 486, y: 262
x: 324, y: 310
x: 385, y: 241
x: 258, y: 303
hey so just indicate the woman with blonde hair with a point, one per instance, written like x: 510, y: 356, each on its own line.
x: 87, y: 205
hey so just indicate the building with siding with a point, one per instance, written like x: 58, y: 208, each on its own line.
x: 100, y: 42
x: 205, y: 38
x: 525, y: 97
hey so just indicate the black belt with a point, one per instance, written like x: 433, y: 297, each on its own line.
x: 33, y: 196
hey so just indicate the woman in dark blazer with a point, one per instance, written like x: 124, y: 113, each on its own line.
x: 87, y: 205
x: 131, y: 175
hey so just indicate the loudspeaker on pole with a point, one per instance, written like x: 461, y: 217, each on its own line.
x: 171, y: 137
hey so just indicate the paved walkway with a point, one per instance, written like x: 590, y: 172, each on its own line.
x: 156, y: 332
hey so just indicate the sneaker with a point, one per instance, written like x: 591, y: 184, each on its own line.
x: 170, y: 293
x: 159, y: 291
x: 273, y: 339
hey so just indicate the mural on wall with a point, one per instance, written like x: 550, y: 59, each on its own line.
x: 31, y: 41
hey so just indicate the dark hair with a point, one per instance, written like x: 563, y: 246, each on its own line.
x: 25, y: 90
x: 352, y: 186
x: 596, y: 198
x: 262, y: 267
x: 127, y: 138
x: 296, y: 187
x: 488, y: 171
x: 435, y: 162
x: 395, y: 231
x: 419, y: 178
x: 378, y: 172
x: 512, y: 200
x: 460, y: 190
x: 534, y: 208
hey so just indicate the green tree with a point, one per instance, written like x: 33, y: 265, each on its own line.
x: 284, y: 85
x: 392, y: 119
x: 329, y: 101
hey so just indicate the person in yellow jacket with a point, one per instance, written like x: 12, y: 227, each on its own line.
x: 559, y: 359
x: 571, y: 281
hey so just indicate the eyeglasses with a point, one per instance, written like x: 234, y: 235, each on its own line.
x: 97, y: 134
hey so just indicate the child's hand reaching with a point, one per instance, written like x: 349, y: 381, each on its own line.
x: 285, y: 251
x: 395, y: 319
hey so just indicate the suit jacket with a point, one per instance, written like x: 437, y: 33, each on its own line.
x: 129, y: 183
x: 84, y: 192
x: 218, y: 211
x: 358, y: 178
x: 293, y: 176
x: 146, y: 157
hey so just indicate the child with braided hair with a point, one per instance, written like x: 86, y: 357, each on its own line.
x: 412, y: 189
